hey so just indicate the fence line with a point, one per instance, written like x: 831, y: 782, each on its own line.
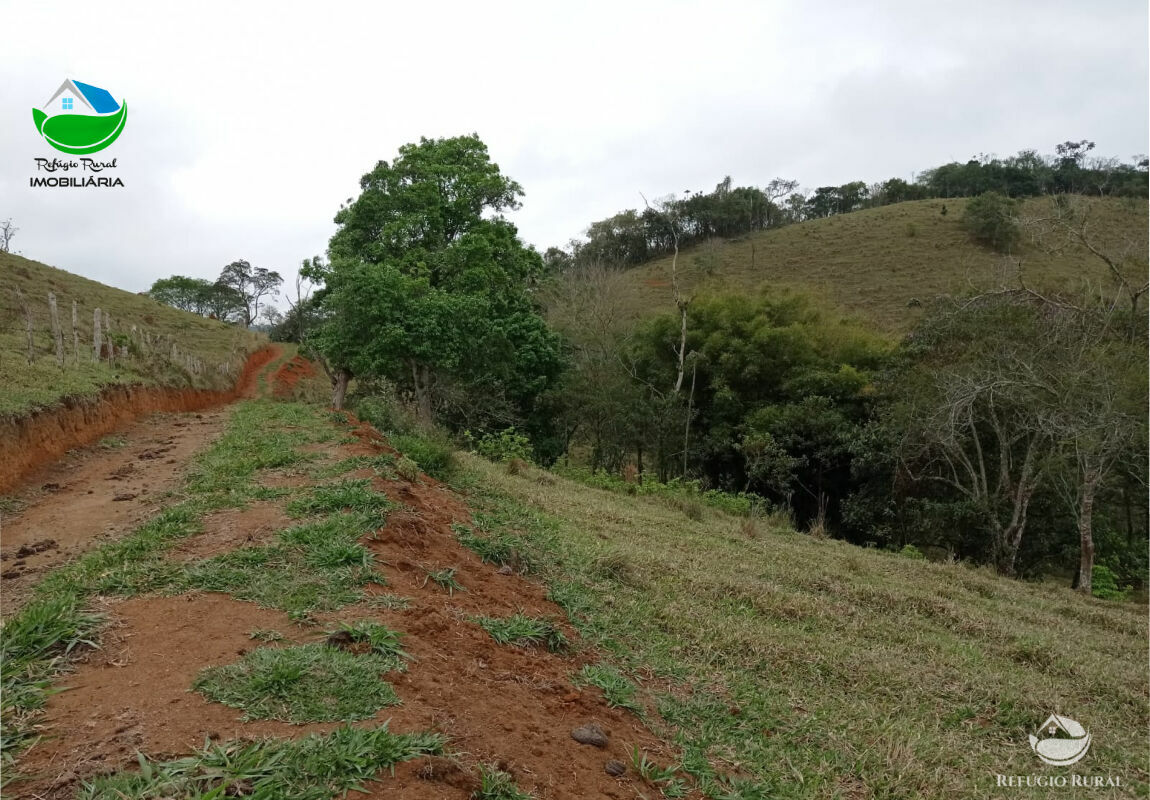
x: 38, y: 323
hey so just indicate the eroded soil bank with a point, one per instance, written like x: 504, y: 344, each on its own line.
x: 513, y: 707
x: 42, y: 438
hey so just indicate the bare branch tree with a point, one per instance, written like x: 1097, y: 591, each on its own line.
x: 7, y: 232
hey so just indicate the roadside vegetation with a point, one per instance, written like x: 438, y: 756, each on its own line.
x: 37, y: 382
x: 813, y: 668
x: 316, y: 766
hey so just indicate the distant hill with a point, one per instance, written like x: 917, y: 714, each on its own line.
x: 875, y: 264
x: 208, y: 353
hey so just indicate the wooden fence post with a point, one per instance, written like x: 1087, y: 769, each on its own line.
x: 108, y: 336
x: 97, y: 338
x: 57, y: 333
x: 75, y: 332
x: 27, y: 324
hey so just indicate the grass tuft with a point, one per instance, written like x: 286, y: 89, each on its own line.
x: 446, y: 579
x: 381, y: 639
x: 524, y: 631
x: 618, y: 691
x: 350, y: 496
x: 305, y: 683
x: 495, y: 784
x: 315, y: 767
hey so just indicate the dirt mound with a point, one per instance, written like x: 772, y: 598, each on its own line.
x: 289, y: 374
x: 43, y: 437
x: 502, y: 706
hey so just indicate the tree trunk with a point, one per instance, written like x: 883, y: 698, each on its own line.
x: 421, y: 381
x: 339, y: 383
x: 690, y: 410
x: 1086, y: 532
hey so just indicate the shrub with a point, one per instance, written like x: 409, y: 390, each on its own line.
x: 910, y: 551
x: 1104, y: 584
x: 431, y: 450
x: 505, y: 445
x: 386, y: 413
x: 991, y: 219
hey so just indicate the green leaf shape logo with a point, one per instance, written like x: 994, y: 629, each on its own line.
x: 80, y: 134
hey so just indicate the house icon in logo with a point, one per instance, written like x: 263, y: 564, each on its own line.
x: 74, y: 97
x: 1066, y: 743
x: 80, y: 118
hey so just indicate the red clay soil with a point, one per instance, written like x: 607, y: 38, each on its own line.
x: 97, y: 494
x: 289, y: 374
x: 514, y: 707
x: 41, y: 438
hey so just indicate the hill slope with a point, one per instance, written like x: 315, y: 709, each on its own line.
x: 874, y: 263
x: 208, y: 353
x: 813, y: 668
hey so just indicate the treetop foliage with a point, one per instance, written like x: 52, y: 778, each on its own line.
x: 632, y: 236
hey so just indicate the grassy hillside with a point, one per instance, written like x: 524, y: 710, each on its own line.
x: 874, y: 263
x: 41, y: 383
x: 813, y: 668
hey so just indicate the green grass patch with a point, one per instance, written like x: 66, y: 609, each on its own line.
x: 494, y: 546
x: 524, y: 631
x: 495, y: 784
x: 445, y: 579
x: 382, y: 464
x: 37, y: 640
x: 305, y: 683
x: 381, y: 639
x: 434, y: 454
x: 348, y: 495
x: 618, y: 690
x: 317, y: 566
x: 820, y: 668
x: 315, y: 767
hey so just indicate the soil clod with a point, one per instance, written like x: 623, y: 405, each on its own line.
x: 590, y: 734
x: 615, y: 768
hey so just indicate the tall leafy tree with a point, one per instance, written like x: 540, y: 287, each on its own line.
x: 251, y: 284
x: 429, y: 286
x: 198, y: 296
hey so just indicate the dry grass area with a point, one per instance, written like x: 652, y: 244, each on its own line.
x: 814, y: 668
x: 42, y: 383
x: 874, y: 264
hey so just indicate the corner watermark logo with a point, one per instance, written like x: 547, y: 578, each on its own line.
x: 79, y: 119
x: 1059, y: 742
x: 1065, y: 744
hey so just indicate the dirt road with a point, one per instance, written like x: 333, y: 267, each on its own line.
x: 102, y: 491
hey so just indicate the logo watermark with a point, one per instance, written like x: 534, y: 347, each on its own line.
x: 1060, y: 742
x: 79, y: 119
x: 1066, y: 742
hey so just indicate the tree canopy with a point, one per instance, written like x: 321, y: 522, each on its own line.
x: 429, y: 286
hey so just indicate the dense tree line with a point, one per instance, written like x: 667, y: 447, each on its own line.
x: 633, y: 236
x: 233, y: 297
x: 1008, y: 428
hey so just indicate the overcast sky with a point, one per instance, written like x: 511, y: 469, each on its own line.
x: 249, y: 123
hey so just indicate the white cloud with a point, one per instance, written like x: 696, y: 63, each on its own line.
x: 250, y: 122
